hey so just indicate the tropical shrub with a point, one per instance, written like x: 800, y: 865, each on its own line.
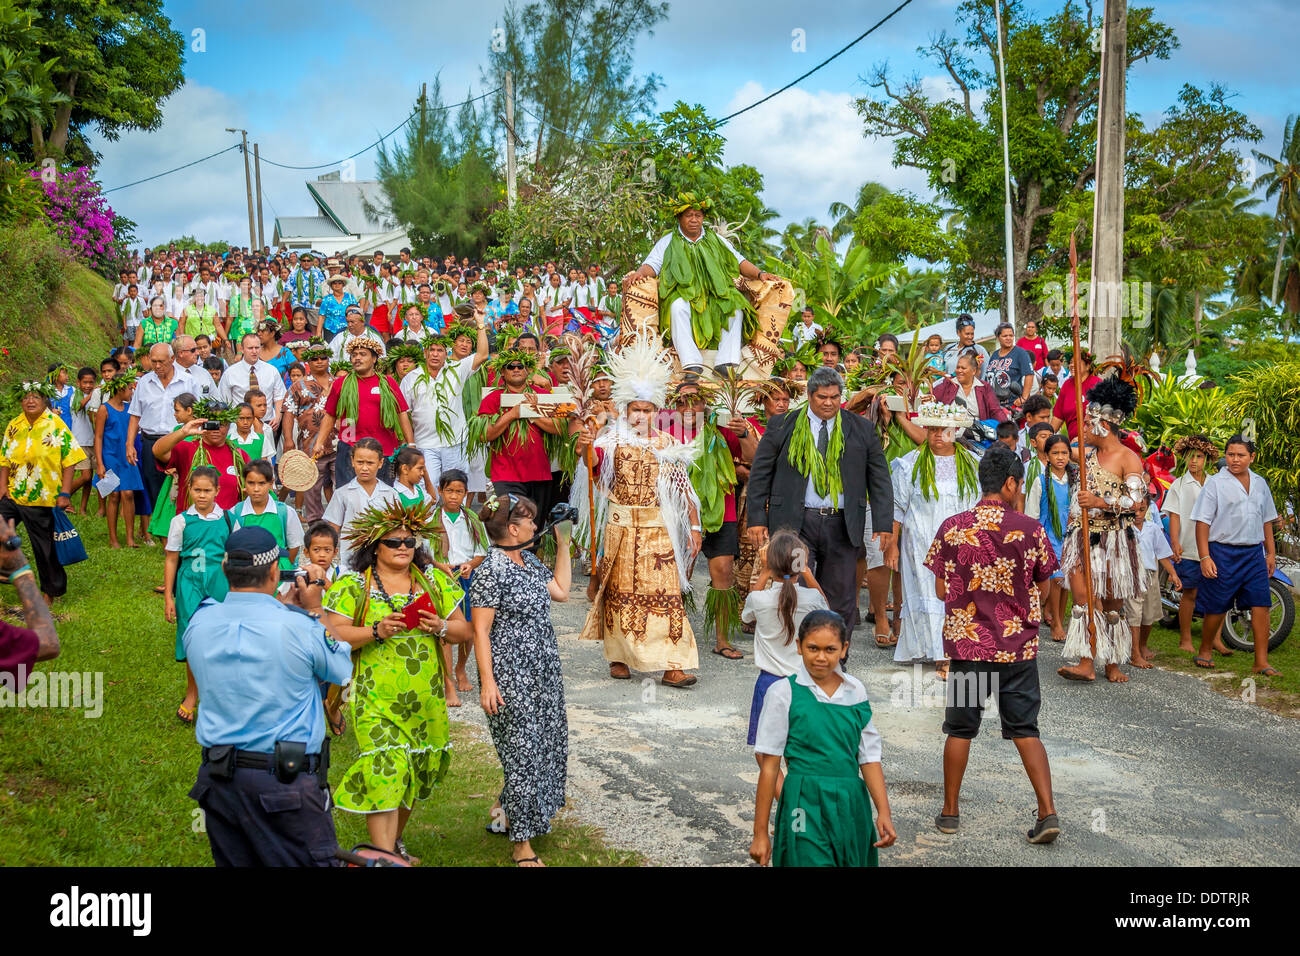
x: 1270, y: 397
x: 81, y: 217
x: 1173, y: 409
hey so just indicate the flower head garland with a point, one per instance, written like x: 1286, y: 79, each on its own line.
x: 316, y: 348
x: 45, y: 389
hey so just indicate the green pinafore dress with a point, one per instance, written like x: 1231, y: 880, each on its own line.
x: 273, y: 520
x: 824, y: 814
x: 199, y: 574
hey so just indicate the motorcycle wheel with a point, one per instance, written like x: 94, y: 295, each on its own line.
x: 1236, y: 624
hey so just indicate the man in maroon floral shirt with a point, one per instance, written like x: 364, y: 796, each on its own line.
x: 990, y: 564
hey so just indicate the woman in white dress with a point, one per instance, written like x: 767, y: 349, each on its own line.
x: 932, y: 483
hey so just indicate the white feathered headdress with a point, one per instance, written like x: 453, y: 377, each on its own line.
x: 640, y: 370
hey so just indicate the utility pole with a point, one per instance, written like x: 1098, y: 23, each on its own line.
x: 1107, y: 299
x: 248, y: 186
x: 510, y: 150
x: 257, y: 170
x: 1010, y: 285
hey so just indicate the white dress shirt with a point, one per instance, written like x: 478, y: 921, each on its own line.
x: 338, y: 344
x: 1152, y: 544
x: 200, y: 379
x: 424, y: 396
x: 152, y: 402
x: 774, y: 720
x: 460, y: 540
x: 235, y: 382
x: 655, y: 260
x: 810, y: 497
x: 1180, y: 499
x: 771, y: 651
x: 346, y: 503
x: 1235, y: 515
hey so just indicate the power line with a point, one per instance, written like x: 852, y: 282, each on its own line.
x: 714, y: 124
x: 176, y: 170
x: 283, y: 165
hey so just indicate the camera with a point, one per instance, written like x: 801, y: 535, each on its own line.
x: 563, y: 511
x: 211, y: 426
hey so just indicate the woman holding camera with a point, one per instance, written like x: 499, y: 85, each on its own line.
x: 522, y: 689
x: 399, y: 712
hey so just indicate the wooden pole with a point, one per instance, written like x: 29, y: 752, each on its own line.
x: 1076, y: 376
x: 257, y: 175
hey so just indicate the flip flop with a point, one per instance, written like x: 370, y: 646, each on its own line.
x: 184, y: 714
x: 525, y: 859
x: 338, y: 724
x: 735, y: 654
x: 883, y: 640
x: 1269, y: 672
x: 1204, y: 663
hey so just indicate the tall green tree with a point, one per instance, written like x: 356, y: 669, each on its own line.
x: 117, y: 61
x: 442, y: 184
x: 1281, y: 181
x: 1052, y: 86
x: 572, y: 62
x: 843, y: 215
x: 27, y: 92
x: 846, y: 294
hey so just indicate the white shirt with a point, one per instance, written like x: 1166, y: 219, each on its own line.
x: 292, y: 526
x: 804, y: 333
x: 152, y: 403
x: 460, y: 540
x: 554, y: 296
x: 235, y: 382
x: 771, y: 652
x: 655, y: 260
x: 345, y: 504
x: 83, y: 429
x: 132, y: 311
x: 810, y: 497
x: 1179, y: 500
x: 1235, y: 516
x: 1152, y: 543
x: 341, y: 339
x: 176, y: 530
x: 971, y: 398
x: 255, y: 446
x: 774, y: 721
x: 425, y: 396
x: 200, y: 379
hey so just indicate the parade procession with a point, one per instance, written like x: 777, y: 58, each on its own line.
x: 538, y: 502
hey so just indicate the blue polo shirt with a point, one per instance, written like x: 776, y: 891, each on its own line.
x: 258, y: 665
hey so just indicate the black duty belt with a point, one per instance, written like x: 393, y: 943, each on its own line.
x: 825, y: 511
x: 252, y: 760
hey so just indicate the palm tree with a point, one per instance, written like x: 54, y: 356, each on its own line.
x: 915, y: 298
x: 843, y: 216
x: 801, y: 237
x: 1283, y: 182
x: 846, y: 296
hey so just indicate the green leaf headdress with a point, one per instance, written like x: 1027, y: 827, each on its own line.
x: 214, y: 411
x: 481, y: 287
x: 377, y: 522
x: 121, y: 381
x: 453, y: 332
x: 315, y: 349
x: 45, y: 389
x: 403, y: 350
x: 340, y: 366
x: 505, y: 357
x: 688, y: 200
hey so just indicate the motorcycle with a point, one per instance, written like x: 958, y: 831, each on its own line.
x: 1237, y: 632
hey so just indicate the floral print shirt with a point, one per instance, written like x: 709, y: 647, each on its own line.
x: 990, y: 558
x: 36, y: 455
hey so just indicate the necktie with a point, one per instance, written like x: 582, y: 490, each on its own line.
x: 823, y: 438
x: 252, y: 377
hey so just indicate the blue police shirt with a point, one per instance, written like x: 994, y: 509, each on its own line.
x: 258, y: 665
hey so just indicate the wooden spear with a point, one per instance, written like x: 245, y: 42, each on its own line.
x: 1076, y: 375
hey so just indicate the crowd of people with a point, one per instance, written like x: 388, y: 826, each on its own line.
x: 450, y: 412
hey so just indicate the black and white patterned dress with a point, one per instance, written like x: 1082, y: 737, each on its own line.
x: 531, y: 732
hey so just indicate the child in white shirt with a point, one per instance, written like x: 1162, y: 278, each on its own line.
x: 1143, y: 609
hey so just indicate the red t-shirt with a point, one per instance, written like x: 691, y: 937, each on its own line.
x: 733, y: 445
x: 368, y: 424
x: 1037, y: 349
x: 221, y: 458
x: 1065, y: 409
x: 518, y: 462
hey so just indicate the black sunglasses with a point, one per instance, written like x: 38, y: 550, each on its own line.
x: 395, y: 543
x: 514, y: 366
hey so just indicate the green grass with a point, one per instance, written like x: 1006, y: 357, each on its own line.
x: 112, y: 791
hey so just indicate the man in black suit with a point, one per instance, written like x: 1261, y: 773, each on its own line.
x: 833, y: 526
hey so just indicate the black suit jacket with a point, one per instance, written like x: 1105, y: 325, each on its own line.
x: 776, y: 489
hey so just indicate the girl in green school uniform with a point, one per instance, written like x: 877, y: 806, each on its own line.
x: 261, y: 510
x: 192, y: 567
x: 819, y: 720
x: 408, y: 470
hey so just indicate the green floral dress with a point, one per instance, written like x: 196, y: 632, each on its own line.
x: 399, y: 711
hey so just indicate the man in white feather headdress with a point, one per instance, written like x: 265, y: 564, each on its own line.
x: 649, y: 518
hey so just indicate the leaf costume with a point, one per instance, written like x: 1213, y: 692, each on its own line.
x: 704, y: 274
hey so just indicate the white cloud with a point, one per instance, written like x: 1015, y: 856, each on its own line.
x: 811, y: 151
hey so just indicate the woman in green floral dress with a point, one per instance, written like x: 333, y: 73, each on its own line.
x: 399, y: 713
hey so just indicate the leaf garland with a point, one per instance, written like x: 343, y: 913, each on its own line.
x: 349, y: 403
x: 712, y: 474
x: 824, y: 472
x: 967, y: 472
x: 703, y: 273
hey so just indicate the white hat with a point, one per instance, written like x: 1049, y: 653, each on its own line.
x: 941, y: 415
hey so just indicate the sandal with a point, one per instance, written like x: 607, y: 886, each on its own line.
x: 338, y: 724
x: 1269, y: 672
x: 525, y: 859
x: 735, y: 654
x: 185, y: 714
x: 1204, y: 663
x: 686, y: 680
x: 400, y: 847
x: 885, y: 640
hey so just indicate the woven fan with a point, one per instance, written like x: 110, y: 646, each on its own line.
x: 298, y: 470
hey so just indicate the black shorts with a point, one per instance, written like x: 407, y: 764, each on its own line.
x: 725, y: 541
x: 971, y: 683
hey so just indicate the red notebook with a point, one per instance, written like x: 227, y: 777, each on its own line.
x: 411, y: 613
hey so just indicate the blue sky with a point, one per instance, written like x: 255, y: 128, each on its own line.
x: 313, y: 82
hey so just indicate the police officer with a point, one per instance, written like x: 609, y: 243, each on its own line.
x: 258, y: 664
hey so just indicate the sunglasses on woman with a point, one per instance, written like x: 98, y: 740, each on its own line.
x: 395, y: 543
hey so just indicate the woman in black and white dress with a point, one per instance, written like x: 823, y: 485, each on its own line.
x: 522, y: 689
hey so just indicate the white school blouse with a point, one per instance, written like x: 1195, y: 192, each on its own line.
x: 771, y: 652
x: 1235, y: 515
x: 774, y: 721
